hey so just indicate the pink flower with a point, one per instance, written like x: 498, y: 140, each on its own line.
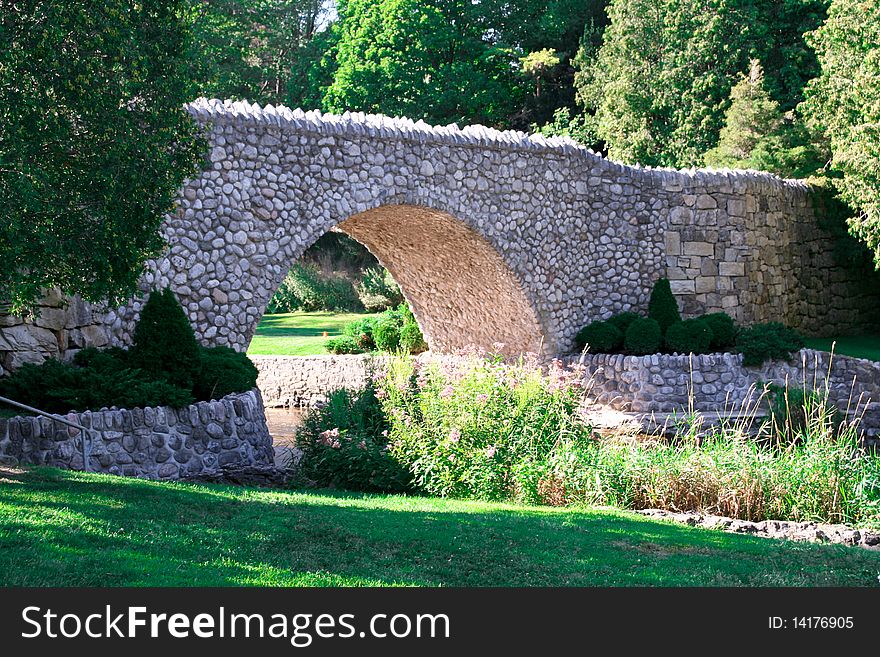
x: 482, y: 398
x: 446, y: 393
x: 497, y: 346
x: 380, y: 394
x: 385, y: 432
x: 451, y: 458
x: 362, y: 445
x: 328, y: 437
x: 454, y: 435
x: 490, y: 451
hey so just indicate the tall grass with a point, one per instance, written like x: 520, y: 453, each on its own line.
x: 477, y: 427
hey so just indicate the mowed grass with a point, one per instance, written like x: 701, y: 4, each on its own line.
x: 858, y: 346
x: 63, y: 528
x: 298, y: 334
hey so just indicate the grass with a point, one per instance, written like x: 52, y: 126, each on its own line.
x: 298, y: 334
x: 64, y: 528
x: 857, y: 346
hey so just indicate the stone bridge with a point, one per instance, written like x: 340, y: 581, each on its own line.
x: 493, y: 236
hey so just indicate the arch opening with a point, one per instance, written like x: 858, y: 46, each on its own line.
x: 458, y: 286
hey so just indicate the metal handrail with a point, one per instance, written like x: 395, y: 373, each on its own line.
x: 57, y: 418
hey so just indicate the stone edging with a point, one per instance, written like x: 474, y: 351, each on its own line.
x: 779, y: 529
x: 152, y: 443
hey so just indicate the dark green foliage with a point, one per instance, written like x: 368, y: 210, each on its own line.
x: 223, y: 371
x: 690, y: 336
x: 663, y: 308
x: 770, y: 341
x: 94, y: 142
x: 623, y: 320
x: 344, y: 344
x: 58, y: 387
x: 344, y: 445
x: 723, y: 330
x: 643, y: 337
x: 660, y: 83
x: 600, y: 337
x: 163, y: 344
x: 842, y: 105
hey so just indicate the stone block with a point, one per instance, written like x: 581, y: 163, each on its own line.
x: 732, y: 269
x: 698, y: 248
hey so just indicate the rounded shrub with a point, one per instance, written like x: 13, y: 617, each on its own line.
x: 663, y: 308
x: 692, y: 336
x: 362, y: 332
x: 723, y: 330
x: 623, y: 320
x: 387, y: 334
x: 344, y: 344
x: 643, y: 336
x: 222, y: 372
x: 164, y: 345
x: 600, y: 337
x: 770, y: 341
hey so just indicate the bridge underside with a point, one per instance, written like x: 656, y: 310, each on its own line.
x: 461, y: 291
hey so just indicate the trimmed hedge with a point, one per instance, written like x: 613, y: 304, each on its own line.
x: 223, y: 371
x: 723, y: 330
x: 770, y: 341
x: 600, y: 337
x: 643, y: 337
x: 163, y: 344
x: 692, y: 336
x: 623, y: 320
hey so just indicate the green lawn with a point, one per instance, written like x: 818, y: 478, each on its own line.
x: 72, y: 529
x: 859, y: 346
x: 298, y: 334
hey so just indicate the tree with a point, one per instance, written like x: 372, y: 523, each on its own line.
x: 423, y: 59
x: 661, y: 81
x: 844, y: 104
x: 757, y: 135
x: 94, y: 142
x: 249, y: 48
x: 455, y: 60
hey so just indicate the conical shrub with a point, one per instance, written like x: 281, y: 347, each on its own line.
x: 164, y: 344
x: 663, y: 308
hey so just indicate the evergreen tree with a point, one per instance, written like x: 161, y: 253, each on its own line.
x: 844, y: 104
x: 660, y: 83
x: 757, y: 135
x: 163, y: 343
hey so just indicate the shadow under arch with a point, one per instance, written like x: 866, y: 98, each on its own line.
x: 460, y: 289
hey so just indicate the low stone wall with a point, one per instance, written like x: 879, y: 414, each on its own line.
x: 663, y: 383
x: 154, y: 443
x: 306, y: 380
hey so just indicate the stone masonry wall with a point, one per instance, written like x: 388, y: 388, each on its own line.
x: 59, y: 328
x: 663, y: 383
x: 306, y: 380
x: 154, y: 443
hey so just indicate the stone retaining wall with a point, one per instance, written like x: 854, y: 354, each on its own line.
x: 154, y: 443
x: 659, y: 383
x: 663, y: 383
x: 306, y: 380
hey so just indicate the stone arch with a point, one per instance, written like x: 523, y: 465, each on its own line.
x: 460, y: 289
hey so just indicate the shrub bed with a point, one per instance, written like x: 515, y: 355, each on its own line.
x: 664, y: 330
x: 164, y: 367
x: 392, y: 331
